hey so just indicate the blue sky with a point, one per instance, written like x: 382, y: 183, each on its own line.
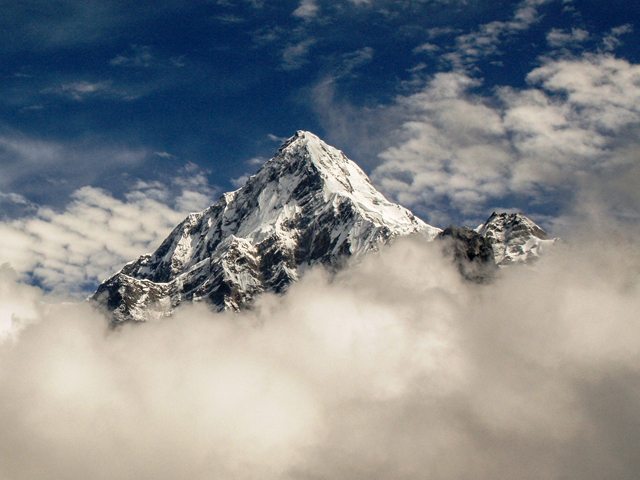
x: 119, y: 119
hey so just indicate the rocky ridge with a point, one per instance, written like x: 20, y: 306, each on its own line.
x: 514, y: 238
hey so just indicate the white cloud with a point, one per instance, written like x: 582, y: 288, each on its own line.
x: 394, y: 369
x: 458, y: 151
x: 353, y: 60
x: 308, y: 9
x: 560, y: 38
x: 240, y: 181
x: 163, y: 155
x: 602, y: 92
x: 426, y: 47
x: 611, y: 41
x: 257, y: 161
x: 295, y: 56
x: 81, y: 90
x: 451, y: 146
x: 486, y: 39
x: 275, y: 138
x: 436, y: 32
x: 74, y: 249
x: 19, y: 303
x: 14, y: 198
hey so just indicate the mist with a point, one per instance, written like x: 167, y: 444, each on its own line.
x: 395, y: 368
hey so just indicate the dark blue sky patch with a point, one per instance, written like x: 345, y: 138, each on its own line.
x: 208, y: 82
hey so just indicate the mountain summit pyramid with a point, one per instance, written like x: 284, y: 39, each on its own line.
x: 309, y: 204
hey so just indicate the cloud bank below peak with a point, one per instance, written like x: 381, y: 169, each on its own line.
x: 395, y: 368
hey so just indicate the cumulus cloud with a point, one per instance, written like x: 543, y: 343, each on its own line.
x: 577, y: 121
x: 72, y: 250
x: 393, y: 369
x: 560, y: 38
x: 485, y: 40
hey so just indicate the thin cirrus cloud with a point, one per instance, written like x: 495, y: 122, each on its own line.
x: 486, y: 39
x: 82, y: 90
x: 613, y: 39
x: 33, y: 166
x: 140, y: 56
x: 296, y: 55
x: 307, y: 10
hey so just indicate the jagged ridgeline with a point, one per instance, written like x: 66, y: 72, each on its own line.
x: 309, y: 204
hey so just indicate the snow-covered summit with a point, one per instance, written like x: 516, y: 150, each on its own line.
x: 308, y: 204
x: 514, y: 237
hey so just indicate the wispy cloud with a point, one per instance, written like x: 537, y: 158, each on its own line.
x: 140, y: 56
x: 485, y: 40
x: 275, y: 138
x: 82, y: 90
x: 295, y: 56
x: 229, y: 18
x: 27, y: 163
x: 307, y: 10
x: 612, y: 40
x: 426, y: 47
x: 163, y: 155
x: 351, y: 61
x: 260, y: 160
x: 240, y: 181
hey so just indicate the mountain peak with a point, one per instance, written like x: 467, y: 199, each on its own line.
x: 302, y: 141
x: 514, y: 237
x: 309, y: 204
x: 305, y: 148
x: 303, y: 137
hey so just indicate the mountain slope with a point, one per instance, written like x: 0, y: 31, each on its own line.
x: 514, y: 238
x: 309, y: 204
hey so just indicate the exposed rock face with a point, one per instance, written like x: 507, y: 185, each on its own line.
x: 307, y: 205
x: 471, y: 252
x: 514, y: 238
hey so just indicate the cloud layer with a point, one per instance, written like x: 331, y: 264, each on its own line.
x: 574, y: 125
x: 394, y: 369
